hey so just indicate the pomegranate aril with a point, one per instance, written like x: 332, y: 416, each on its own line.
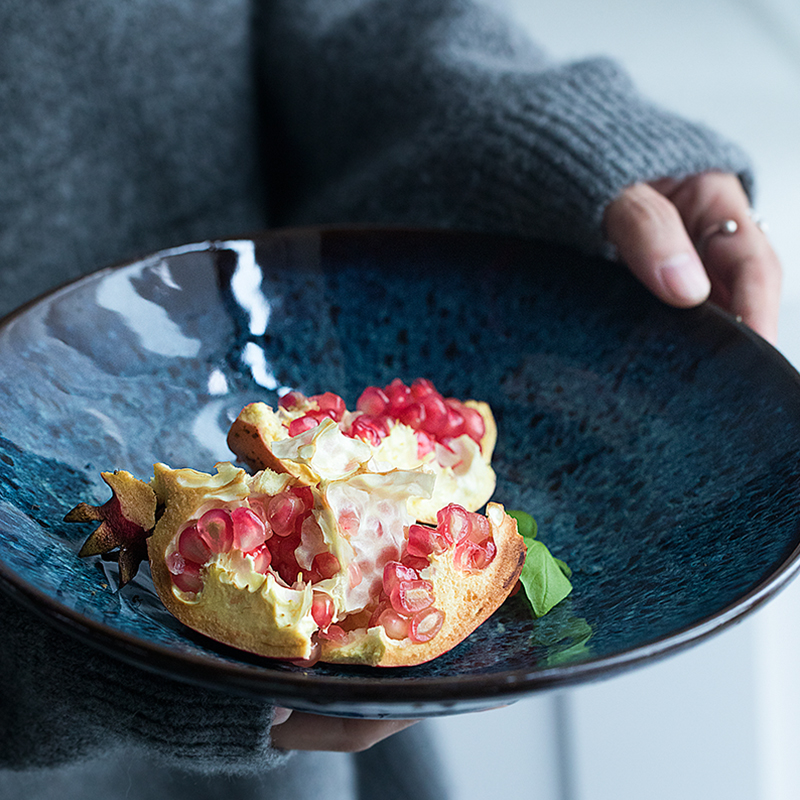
x: 394, y: 572
x: 422, y: 387
x: 436, y: 414
x: 373, y: 401
x: 474, y: 426
x: 395, y: 625
x: 334, y: 633
x: 376, y: 613
x: 291, y: 400
x: 262, y: 558
x: 193, y: 547
x: 424, y: 541
x: 283, y: 511
x: 470, y: 557
x: 399, y: 396
x: 425, y: 443
x: 408, y: 597
x: 412, y: 415
x: 249, y: 531
x: 302, y: 424
x: 354, y: 574
x: 322, y: 609
x: 453, y: 522
x: 479, y: 528
x: 330, y: 402
x: 454, y: 426
x: 216, y: 528
x: 368, y: 428
x: 417, y: 563
x: 189, y: 580
x: 175, y: 562
x: 327, y: 565
x: 425, y: 625
x: 305, y: 494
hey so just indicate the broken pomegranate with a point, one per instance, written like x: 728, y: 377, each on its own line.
x: 323, y: 553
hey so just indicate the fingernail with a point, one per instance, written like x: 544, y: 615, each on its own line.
x: 684, y: 277
x: 280, y: 715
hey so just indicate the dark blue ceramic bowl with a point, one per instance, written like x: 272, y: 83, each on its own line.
x: 658, y: 449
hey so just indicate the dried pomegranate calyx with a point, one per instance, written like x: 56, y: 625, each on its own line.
x: 126, y: 522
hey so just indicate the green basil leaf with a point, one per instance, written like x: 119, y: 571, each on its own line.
x: 526, y: 524
x: 544, y: 582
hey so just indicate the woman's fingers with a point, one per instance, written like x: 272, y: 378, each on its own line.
x: 745, y: 271
x: 301, y: 731
x: 673, y: 237
x: 651, y: 239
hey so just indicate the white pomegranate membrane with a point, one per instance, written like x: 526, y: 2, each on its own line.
x: 279, y: 535
x: 433, y: 418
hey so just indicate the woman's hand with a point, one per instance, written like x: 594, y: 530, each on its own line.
x: 669, y: 235
x: 295, y: 730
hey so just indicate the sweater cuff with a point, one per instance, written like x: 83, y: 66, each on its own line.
x: 570, y: 144
x: 62, y: 701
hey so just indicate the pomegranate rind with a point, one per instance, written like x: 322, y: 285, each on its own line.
x: 251, y: 436
x: 467, y: 599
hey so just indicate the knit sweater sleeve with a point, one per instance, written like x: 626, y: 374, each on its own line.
x: 439, y: 112
x: 61, y: 702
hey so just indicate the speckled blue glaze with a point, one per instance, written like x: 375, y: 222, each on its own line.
x: 658, y: 449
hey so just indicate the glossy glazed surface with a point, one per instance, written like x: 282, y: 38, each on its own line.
x: 658, y: 449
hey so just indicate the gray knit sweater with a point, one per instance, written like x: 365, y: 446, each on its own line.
x: 131, y: 126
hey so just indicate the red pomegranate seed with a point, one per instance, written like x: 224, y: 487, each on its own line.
x: 175, y: 562
x: 334, y: 633
x: 474, y: 426
x: 394, y: 572
x: 302, y: 424
x: 283, y: 558
x: 305, y: 494
x: 408, y: 597
x: 373, y: 401
x: 291, y: 400
x: 425, y: 444
x: 354, y: 574
x: 248, y: 529
x: 348, y: 521
x: 424, y: 541
x: 262, y: 558
x: 454, y: 426
x: 330, y: 402
x: 283, y: 511
x: 304, y: 663
x: 189, y: 580
x: 479, y: 528
x: 470, y: 557
x: 395, y: 625
x: 326, y: 564
x: 454, y: 522
x: 399, y: 395
x: 216, y: 527
x: 436, y: 414
x: 377, y: 611
x: 322, y: 609
x: 416, y: 563
x: 425, y: 625
x: 370, y: 429
x: 422, y: 387
x: 412, y: 415
x: 193, y: 547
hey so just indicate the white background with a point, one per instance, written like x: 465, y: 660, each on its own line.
x: 721, y: 720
